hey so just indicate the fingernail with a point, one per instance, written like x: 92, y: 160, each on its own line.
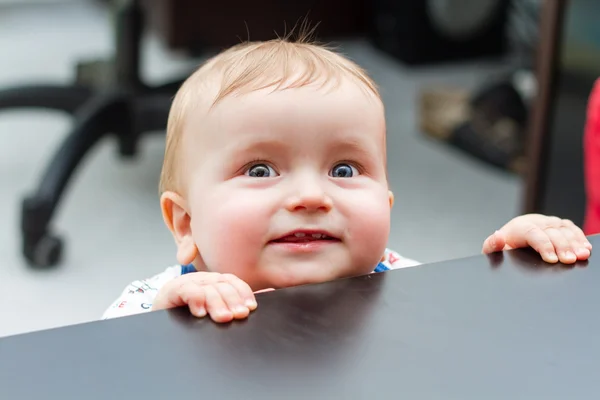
x: 240, y: 309
x: 251, y: 304
x: 569, y: 255
x: 224, y: 314
x: 583, y: 251
x: 201, y: 312
x: 551, y: 257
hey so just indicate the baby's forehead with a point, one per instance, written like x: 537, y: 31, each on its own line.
x: 323, y: 104
x: 309, y: 119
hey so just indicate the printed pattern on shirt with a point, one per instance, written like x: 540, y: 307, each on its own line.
x: 393, y: 260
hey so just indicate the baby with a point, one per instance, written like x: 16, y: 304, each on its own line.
x: 275, y: 176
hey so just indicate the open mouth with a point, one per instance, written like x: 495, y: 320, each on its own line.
x: 305, y: 237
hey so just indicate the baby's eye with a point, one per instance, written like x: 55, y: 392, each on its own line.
x: 261, y: 171
x: 343, y: 170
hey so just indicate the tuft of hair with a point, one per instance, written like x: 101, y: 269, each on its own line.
x: 291, y: 61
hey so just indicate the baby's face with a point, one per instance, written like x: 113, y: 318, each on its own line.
x: 289, y: 187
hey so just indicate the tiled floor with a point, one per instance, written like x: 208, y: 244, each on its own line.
x: 446, y: 204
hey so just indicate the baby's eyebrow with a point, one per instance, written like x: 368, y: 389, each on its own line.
x: 254, y: 146
x: 349, y: 146
x: 357, y: 147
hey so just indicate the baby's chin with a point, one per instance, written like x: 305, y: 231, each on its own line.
x: 296, y: 273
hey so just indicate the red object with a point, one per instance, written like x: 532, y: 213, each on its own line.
x: 591, y: 155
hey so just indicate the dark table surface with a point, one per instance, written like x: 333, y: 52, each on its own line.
x: 476, y: 328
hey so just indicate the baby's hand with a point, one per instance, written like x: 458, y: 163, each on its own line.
x: 554, y: 238
x: 224, y: 297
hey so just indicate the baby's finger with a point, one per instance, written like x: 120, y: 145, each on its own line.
x: 207, y: 278
x: 540, y: 242
x: 175, y: 293
x: 216, y: 306
x: 578, y: 233
x: 495, y: 242
x: 243, y: 290
x: 233, y: 300
x: 562, y: 246
x: 580, y: 251
x: 194, y: 296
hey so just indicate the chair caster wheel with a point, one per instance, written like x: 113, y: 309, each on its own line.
x: 44, y: 252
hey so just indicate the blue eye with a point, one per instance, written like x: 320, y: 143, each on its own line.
x: 343, y: 170
x: 261, y: 171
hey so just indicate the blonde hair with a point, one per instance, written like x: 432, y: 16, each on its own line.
x: 248, y: 67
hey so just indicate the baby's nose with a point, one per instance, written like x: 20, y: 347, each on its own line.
x: 309, y: 197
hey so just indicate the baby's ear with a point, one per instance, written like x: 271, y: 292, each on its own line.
x: 391, y: 196
x: 178, y: 220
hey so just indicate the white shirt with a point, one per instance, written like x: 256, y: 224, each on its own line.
x: 138, y: 296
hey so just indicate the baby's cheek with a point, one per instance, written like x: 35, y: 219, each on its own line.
x: 230, y: 237
x: 369, y: 227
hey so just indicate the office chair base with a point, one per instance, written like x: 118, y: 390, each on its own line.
x: 118, y: 113
x: 108, y: 99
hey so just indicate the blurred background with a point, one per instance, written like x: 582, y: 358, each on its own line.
x: 485, y: 100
